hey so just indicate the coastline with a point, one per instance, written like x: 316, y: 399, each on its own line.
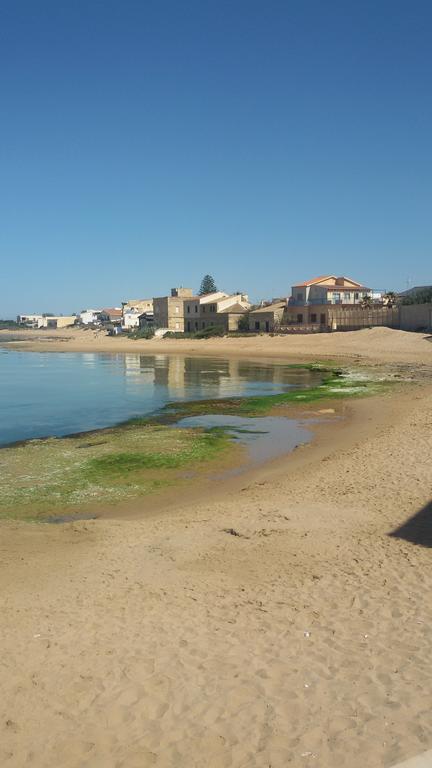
x: 305, y: 639
x: 371, y: 345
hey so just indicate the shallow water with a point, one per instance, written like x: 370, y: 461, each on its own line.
x: 264, y: 437
x: 55, y: 394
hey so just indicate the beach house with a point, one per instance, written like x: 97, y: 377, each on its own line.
x: 267, y: 318
x: 90, y: 316
x: 217, y: 309
x: 111, y: 315
x: 134, y: 311
x: 31, y: 321
x: 169, y: 310
x: 311, y: 302
x: 57, y: 321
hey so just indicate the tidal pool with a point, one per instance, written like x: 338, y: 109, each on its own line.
x: 56, y: 394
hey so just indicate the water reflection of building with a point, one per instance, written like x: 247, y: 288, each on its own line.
x: 204, y: 377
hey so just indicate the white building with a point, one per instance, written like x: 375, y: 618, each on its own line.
x: 90, y: 316
x: 31, y: 321
x: 131, y: 318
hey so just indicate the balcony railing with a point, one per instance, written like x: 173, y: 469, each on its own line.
x: 325, y: 302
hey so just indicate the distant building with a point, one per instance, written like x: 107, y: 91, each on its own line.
x: 31, y: 321
x: 111, y: 315
x: 169, y: 310
x: 130, y: 318
x: 134, y: 311
x: 217, y: 309
x: 57, y: 321
x: 143, y: 305
x: 90, y: 316
x: 310, y: 302
x: 267, y: 318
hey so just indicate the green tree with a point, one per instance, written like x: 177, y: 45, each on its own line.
x: 421, y: 296
x: 208, y: 285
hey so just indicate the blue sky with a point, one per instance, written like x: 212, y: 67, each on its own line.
x: 145, y: 143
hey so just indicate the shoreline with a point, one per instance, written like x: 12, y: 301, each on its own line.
x: 371, y: 345
x: 149, y: 455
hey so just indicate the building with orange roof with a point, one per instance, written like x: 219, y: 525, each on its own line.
x: 311, y: 300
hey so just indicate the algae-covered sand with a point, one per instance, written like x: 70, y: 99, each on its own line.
x: 44, y: 477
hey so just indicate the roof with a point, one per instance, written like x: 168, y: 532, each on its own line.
x: 234, y: 308
x: 313, y: 281
x: 321, y: 279
x: 112, y: 311
x: 270, y: 307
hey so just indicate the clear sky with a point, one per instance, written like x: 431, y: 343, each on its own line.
x: 146, y: 142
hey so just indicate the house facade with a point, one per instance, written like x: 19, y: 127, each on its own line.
x: 267, y: 318
x: 31, y: 321
x: 90, y: 316
x: 215, y: 310
x: 169, y: 310
x: 111, y: 315
x: 311, y: 302
x: 59, y: 321
x: 143, y: 305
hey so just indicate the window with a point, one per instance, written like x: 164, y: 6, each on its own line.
x: 188, y: 309
x: 177, y: 326
x: 257, y: 325
x: 196, y: 307
x: 203, y: 308
x: 313, y: 317
x: 188, y: 325
x: 356, y: 296
x: 299, y: 297
x: 323, y: 319
x: 300, y: 318
x: 347, y: 297
x: 196, y: 325
x: 336, y: 297
x: 177, y: 310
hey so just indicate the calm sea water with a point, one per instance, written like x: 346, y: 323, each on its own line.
x: 52, y: 393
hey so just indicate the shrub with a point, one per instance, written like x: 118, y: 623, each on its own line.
x: 143, y: 333
x: 212, y: 330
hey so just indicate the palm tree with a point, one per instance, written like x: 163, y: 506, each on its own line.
x: 389, y: 299
x: 366, y: 301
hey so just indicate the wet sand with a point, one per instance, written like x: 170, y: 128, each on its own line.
x: 167, y: 640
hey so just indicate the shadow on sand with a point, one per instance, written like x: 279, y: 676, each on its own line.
x: 418, y: 529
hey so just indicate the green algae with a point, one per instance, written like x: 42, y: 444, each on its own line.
x: 42, y: 477
x: 336, y: 384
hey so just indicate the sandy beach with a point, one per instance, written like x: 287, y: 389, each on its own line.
x: 284, y: 622
x: 379, y: 345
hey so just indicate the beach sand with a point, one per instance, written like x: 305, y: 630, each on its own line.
x: 303, y: 641
x: 382, y: 345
